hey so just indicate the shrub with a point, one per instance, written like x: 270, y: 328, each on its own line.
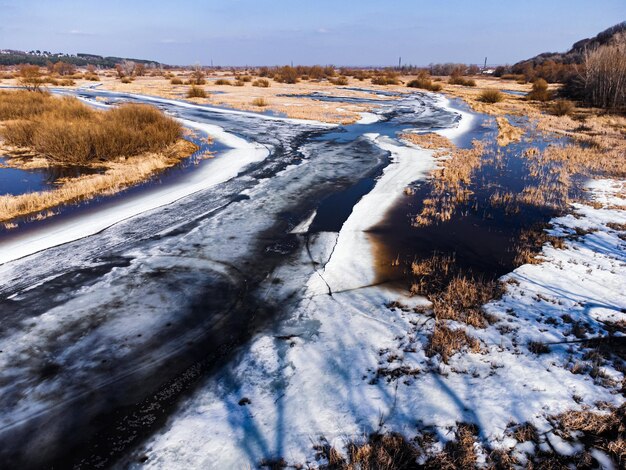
x: 540, y: 91
x: 238, y: 83
x: 260, y: 102
x: 286, y: 74
x: 30, y: 77
x: 68, y: 131
x: 514, y: 77
x: 196, y: 92
x: 176, y: 81
x: 460, y: 80
x: 490, y: 95
x: 197, y: 76
x: 261, y: 82
x: 126, y: 80
x: 222, y: 81
x: 245, y: 78
x: 339, y: 80
x: 424, y: 82
x: 387, y: 79
x: 562, y: 107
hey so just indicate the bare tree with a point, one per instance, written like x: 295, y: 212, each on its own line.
x: 30, y: 77
x: 197, y: 76
x: 603, y: 77
x: 140, y: 69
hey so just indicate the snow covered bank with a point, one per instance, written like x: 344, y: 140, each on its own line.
x: 464, y: 124
x: 349, y: 364
x: 352, y: 262
x: 210, y: 173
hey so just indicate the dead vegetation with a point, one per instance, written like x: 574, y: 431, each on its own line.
x: 490, y: 96
x: 68, y: 132
x: 604, y: 431
x: 445, y: 342
x: 430, y: 140
x: 508, y: 133
x: 117, y: 176
x: 450, y: 185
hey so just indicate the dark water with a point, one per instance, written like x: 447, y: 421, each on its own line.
x: 14, y: 181
x: 480, y: 237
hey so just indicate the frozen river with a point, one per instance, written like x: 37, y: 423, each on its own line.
x: 114, y: 312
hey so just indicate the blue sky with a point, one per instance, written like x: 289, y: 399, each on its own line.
x: 350, y: 32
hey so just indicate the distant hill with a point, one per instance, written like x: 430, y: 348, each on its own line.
x: 575, y: 54
x: 13, y: 57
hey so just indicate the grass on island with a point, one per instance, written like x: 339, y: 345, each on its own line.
x: 68, y: 132
x: 465, y: 447
x: 129, y: 143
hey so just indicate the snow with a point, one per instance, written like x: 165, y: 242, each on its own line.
x: 316, y: 375
x: 368, y: 118
x: 465, y: 122
x: 210, y: 173
x: 345, y: 270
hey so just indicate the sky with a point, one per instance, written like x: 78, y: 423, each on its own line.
x: 278, y: 32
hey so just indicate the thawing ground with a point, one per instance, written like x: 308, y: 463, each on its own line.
x: 114, y: 316
x: 232, y: 315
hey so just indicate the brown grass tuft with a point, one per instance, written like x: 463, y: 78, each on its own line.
x: 260, y: 102
x: 196, y: 92
x: 490, y: 95
x: 261, y: 82
x: 446, y: 342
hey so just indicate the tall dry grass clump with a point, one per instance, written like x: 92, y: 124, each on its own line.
x: 68, y: 132
x: 424, y: 82
x: 540, y: 91
x: 196, y: 92
x: 491, y: 96
x: 562, y: 108
x: 260, y: 102
x: 450, y: 185
x: 446, y: 341
x: 261, y: 82
x: 507, y: 133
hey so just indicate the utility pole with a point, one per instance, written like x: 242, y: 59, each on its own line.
x: 399, y: 62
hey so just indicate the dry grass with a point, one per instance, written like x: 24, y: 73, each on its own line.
x: 67, y: 131
x: 196, y: 92
x: 261, y: 82
x: 458, y: 453
x: 606, y: 431
x: 450, y: 185
x: 490, y: 96
x: 462, y: 300
x: 118, y: 176
x: 260, y: 102
x: 430, y: 140
x: 380, y: 451
x: 508, y: 133
x: 446, y: 342
x: 562, y: 107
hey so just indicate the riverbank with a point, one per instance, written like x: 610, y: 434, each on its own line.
x: 115, y: 176
x: 360, y: 372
